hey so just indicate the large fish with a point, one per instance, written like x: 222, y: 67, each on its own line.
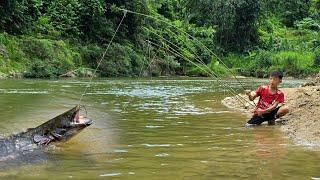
x: 60, y: 128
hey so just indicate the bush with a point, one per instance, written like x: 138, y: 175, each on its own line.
x: 260, y: 62
x: 38, y: 48
x: 91, y: 54
x: 212, y: 69
x: 294, y: 63
x: 48, y: 58
x: 263, y: 60
x: 290, y: 65
x: 294, y: 10
x: 12, y: 58
x: 120, y: 60
x: 316, y: 61
x: 218, y: 69
x: 236, y: 61
x: 308, y: 23
x: 40, y: 69
x: 64, y: 16
x: 276, y: 67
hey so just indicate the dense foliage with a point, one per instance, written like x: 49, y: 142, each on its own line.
x: 42, y: 38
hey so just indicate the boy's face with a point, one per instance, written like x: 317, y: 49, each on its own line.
x: 274, y: 81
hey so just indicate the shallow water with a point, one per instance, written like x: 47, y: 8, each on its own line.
x: 151, y: 129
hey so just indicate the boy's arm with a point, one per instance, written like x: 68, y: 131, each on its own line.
x: 271, y: 108
x: 251, y: 94
x: 268, y: 110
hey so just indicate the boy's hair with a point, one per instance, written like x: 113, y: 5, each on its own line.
x: 277, y: 74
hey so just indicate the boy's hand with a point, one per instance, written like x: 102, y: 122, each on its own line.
x: 247, y: 92
x: 251, y: 94
x: 258, y: 112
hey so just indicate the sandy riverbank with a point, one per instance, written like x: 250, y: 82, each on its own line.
x: 302, y: 124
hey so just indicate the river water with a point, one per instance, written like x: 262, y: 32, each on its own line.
x: 151, y: 129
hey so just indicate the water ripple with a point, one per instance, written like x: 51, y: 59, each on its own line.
x: 22, y: 91
x: 162, y: 155
x: 110, y: 174
x: 157, y: 145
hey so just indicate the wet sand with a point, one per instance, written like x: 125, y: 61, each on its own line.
x: 302, y: 124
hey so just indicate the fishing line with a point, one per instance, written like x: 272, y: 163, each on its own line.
x: 152, y: 17
x: 103, y: 56
x: 198, y: 59
x: 212, y: 74
x: 201, y: 61
x: 148, y: 64
x: 100, y: 61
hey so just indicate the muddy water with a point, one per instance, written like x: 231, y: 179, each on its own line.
x: 150, y: 129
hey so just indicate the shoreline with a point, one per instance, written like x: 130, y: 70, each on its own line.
x: 302, y: 123
x: 88, y: 74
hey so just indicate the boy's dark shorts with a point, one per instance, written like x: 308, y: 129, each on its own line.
x: 266, y: 117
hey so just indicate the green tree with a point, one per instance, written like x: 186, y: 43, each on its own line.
x: 16, y: 16
x: 235, y: 21
x: 64, y: 16
x: 94, y: 24
x: 294, y: 10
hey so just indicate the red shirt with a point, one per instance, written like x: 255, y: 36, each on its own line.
x: 266, y: 98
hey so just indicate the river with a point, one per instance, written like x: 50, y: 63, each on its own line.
x: 162, y: 128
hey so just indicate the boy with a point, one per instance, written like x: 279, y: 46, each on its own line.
x: 270, y: 105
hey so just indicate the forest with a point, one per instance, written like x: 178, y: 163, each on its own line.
x: 46, y: 39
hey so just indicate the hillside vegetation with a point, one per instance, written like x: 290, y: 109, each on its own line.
x: 42, y: 38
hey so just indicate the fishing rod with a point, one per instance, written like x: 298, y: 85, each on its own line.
x: 212, y: 74
x: 155, y: 18
x: 198, y: 59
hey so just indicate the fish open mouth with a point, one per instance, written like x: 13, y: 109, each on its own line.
x: 80, y: 120
x: 83, y: 122
x: 60, y: 128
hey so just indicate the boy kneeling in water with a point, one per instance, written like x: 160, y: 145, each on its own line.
x: 270, y: 105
